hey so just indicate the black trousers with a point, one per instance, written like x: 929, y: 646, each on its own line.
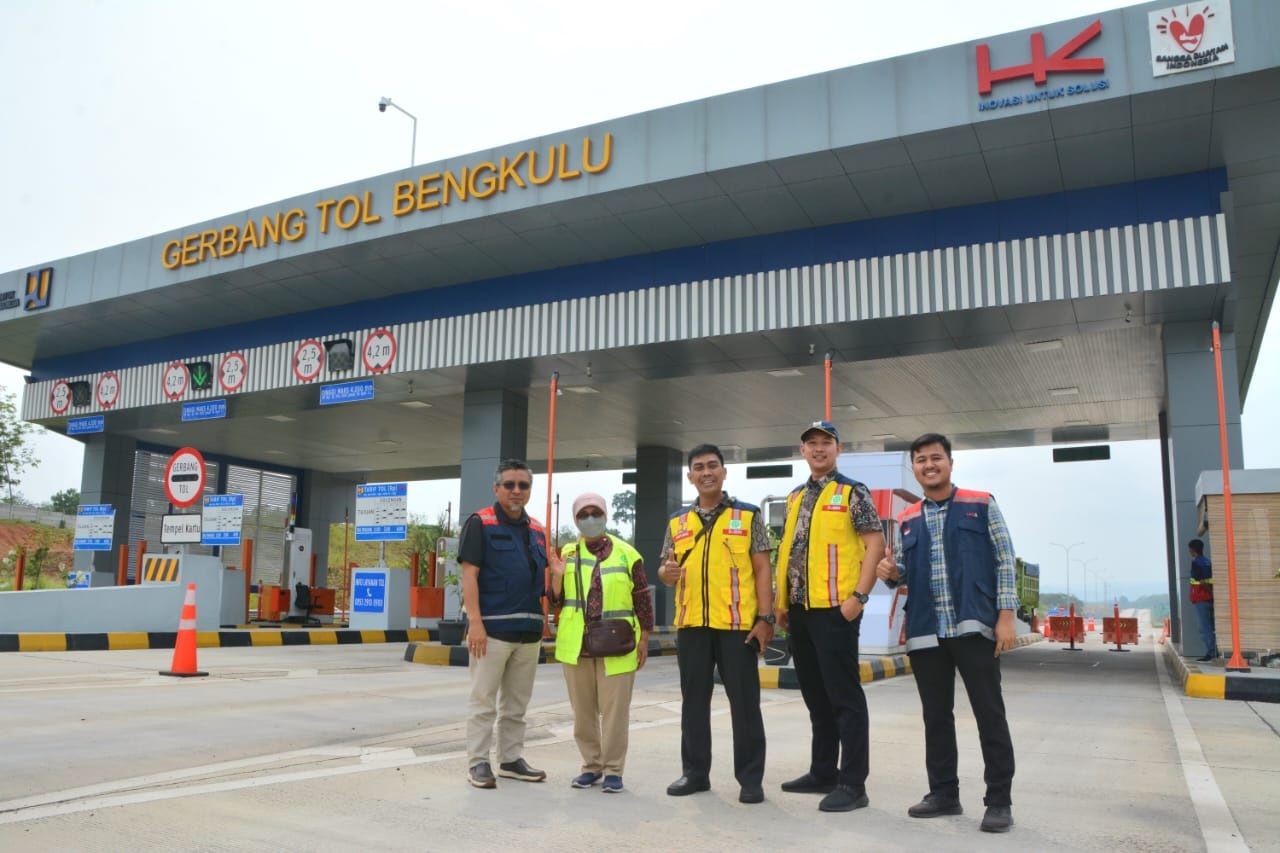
x: 824, y: 648
x: 701, y: 651
x: 935, y: 671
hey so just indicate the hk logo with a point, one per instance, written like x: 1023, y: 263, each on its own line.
x: 1041, y: 64
x: 37, y: 295
x: 1188, y: 34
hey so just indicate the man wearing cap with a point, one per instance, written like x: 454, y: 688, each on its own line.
x: 827, y: 559
x: 716, y: 553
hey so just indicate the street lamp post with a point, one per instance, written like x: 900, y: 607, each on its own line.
x: 1067, y: 549
x: 383, y: 103
x: 1099, y: 577
x: 1084, y: 567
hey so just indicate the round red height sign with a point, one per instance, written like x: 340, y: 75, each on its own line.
x: 184, y: 477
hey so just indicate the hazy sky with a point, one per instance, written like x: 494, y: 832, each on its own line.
x: 125, y: 119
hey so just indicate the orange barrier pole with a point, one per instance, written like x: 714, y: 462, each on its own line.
x: 1237, y: 662
x: 246, y: 551
x: 553, y: 538
x: 1071, y: 628
x: 137, y: 566
x: 414, y: 563
x: 122, y: 570
x: 311, y: 578
x: 827, y: 371
x: 1116, y: 622
x: 20, y: 570
x: 431, y: 568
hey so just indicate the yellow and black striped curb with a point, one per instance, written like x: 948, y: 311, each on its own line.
x: 120, y: 640
x: 1253, y: 686
x: 435, y: 654
x: 872, y: 669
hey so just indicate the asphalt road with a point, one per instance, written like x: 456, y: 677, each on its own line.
x: 350, y: 748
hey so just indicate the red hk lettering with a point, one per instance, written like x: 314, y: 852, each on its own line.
x: 1040, y: 65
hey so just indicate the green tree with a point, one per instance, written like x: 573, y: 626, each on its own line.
x: 420, y: 538
x: 16, y: 455
x: 624, y: 508
x: 66, y: 501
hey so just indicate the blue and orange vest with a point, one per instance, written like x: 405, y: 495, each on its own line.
x: 512, y: 579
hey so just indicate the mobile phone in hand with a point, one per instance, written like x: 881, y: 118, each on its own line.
x: 754, y: 643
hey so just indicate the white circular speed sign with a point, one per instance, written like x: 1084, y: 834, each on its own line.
x: 176, y: 378
x: 108, y: 390
x: 379, y: 351
x: 184, y: 477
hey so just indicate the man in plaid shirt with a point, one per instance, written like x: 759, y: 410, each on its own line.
x: 953, y: 552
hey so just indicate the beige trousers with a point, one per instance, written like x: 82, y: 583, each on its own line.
x: 501, y: 684
x: 601, y: 714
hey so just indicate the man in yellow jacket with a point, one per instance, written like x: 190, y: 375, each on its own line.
x: 716, y: 553
x: 827, y: 559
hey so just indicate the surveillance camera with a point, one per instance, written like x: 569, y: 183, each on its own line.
x: 382, y: 108
x: 383, y: 103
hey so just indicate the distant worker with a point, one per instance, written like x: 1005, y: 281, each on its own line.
x: 600, y: 580
x: 503, y: 554
x: 1202, y: 598
x: 831, y: 542
x: 953, y: 552
x: 716, y: 553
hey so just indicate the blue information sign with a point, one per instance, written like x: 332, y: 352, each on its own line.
x: 206, y: 410
x: 223, y: 520
x: 93, y: 527
x: 382, y: 512
x: 346, y: 392
x: 369, y: 592
x: 84, y: 426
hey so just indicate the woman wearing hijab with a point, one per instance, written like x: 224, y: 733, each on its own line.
x: 602, y: 579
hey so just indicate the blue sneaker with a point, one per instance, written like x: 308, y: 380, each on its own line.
x: 612, y: 785
x: 585, y: 780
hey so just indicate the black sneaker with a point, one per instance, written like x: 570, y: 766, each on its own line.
x: 843, y: 799
x: 936, y: 805
x: 520, y: 769
x: 997, y: 819
x: 481, y: 776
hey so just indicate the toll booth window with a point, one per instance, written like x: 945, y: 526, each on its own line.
x: 340, y: 354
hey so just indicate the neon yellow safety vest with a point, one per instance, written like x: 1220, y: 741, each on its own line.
x: 719, y: 586
x: 615, y: 583
x: 835, y: 548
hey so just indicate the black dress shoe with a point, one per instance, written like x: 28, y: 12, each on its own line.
x: 684, y: 786
x: 808, y: 784
x: 843, y: 799
x: 936, y: 805
x: 751, y: 795
x: 997, y: 819
x: 1204, y: 659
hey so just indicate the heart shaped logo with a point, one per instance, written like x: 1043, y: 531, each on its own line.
x: 1189, y: 36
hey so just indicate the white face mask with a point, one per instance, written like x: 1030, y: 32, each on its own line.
x: 592, y: 526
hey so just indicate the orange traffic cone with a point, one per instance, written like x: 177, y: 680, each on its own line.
x: 184, y: 650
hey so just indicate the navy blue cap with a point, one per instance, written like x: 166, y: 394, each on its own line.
x: 822, y: 426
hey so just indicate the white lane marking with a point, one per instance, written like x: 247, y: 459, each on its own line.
x: 1217, y: 826
x: 124, y: 792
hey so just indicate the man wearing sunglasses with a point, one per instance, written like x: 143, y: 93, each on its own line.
x: 504, y: 556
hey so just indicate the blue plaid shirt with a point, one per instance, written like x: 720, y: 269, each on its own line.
x: 935, y: 518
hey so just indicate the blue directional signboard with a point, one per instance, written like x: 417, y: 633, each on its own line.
x: 94, y: 523
x: 368, y: 592
x: 206, y: 410
x: 382, y: 512
x: 223, y: 520
x: 86, y: 425
x: 346, y: 392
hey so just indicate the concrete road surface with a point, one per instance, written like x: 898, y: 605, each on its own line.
x: 350, y: 748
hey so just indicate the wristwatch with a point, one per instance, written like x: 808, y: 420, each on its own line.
x: 766, y: 619
x: 861, y: 596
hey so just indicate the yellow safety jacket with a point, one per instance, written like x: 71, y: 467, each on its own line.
x: 719, y: 586
x: 616, y: 585
x: 835, y: 548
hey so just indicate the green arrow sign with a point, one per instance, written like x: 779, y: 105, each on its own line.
x: 201, y: 375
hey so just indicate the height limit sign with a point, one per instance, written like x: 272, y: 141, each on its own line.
x: 184, y: 477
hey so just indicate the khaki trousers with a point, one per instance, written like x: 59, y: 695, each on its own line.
x: 601, y: 714
x: 501, y: 684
